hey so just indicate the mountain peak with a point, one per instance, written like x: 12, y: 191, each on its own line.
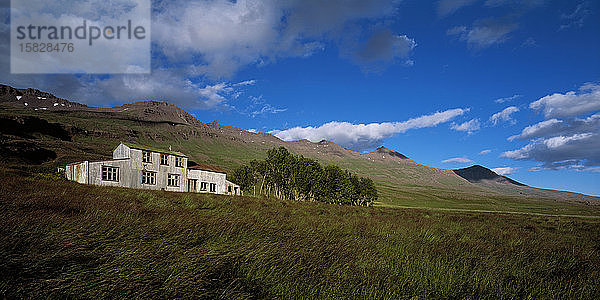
x: 157, y: 111
x: 478, y: 173
x: 385, y: 151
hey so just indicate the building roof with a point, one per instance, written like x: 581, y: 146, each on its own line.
x: 206, y: 167
x: 136, y: 146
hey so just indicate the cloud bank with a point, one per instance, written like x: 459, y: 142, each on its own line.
x: 227, y: 35
x: 570, y: 143
x: 571, y: 103
x: 199, y: 45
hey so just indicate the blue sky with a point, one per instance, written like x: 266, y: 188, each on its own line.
x: 513, y: 85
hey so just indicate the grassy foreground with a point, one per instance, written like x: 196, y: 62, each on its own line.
x: 61, y: 239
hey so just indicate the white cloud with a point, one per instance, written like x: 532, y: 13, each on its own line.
x: 469, y: 126
x: 245, y: 83
x: 504, y: 115
x: 484, y: 152
x: 267, y: 109
x: 577, y: 18
x: 484, y: 33
x: 457, y: 30
x: 507, y: 99
x: 446, y: 7
x: 362, y: 137
x: 538, y: 130
x: 504, y: 171
x: 570, y: 104
x: 226, y: 34
x: 256, y: 106
x: 529, y: 43
x: 559, y: 141
x: 457, y: 160
x: 522, y: 4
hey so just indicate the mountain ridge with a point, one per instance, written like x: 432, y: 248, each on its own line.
x: 146, y: 110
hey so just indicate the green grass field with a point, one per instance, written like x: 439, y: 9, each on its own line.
x: 59, y: 239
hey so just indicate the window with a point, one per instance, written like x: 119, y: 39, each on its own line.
x: 148, y: 177
x: 110, y: 173
x: 203, y: 186
x: 213, y: 187
x: 178, y: 161
x: 229, y: 189
x: 173, y: 180
x: 146, y: 156
x: 164, y: 159
x: 192, y: 185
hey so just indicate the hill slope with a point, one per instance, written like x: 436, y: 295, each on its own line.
x: 88, y: 133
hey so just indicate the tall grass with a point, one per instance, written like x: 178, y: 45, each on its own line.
x: 61, y: 239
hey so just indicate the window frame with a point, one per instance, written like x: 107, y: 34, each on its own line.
x: 152, y: 177
x: 146, y: 156
x: 111, y: 174
x: 213, y: 187
x: 203, y: 186
x: 164, y: 162
x: 173, y: 178
x: 179, y: 161
x: 192, y: 182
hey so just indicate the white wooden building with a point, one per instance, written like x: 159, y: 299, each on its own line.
x: 141, y: 167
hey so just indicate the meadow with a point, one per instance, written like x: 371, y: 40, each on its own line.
x: 59, y: 239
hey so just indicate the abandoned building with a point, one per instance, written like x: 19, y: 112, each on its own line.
x: 141, y: 167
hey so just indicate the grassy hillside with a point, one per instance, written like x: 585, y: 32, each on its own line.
x: 59, y: 239
x: 401, y: 182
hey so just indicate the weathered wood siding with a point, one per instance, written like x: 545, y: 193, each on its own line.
x: 209, y: 177
x: 78, y: 172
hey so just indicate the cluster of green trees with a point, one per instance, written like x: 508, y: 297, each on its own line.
x: 295, y: 177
